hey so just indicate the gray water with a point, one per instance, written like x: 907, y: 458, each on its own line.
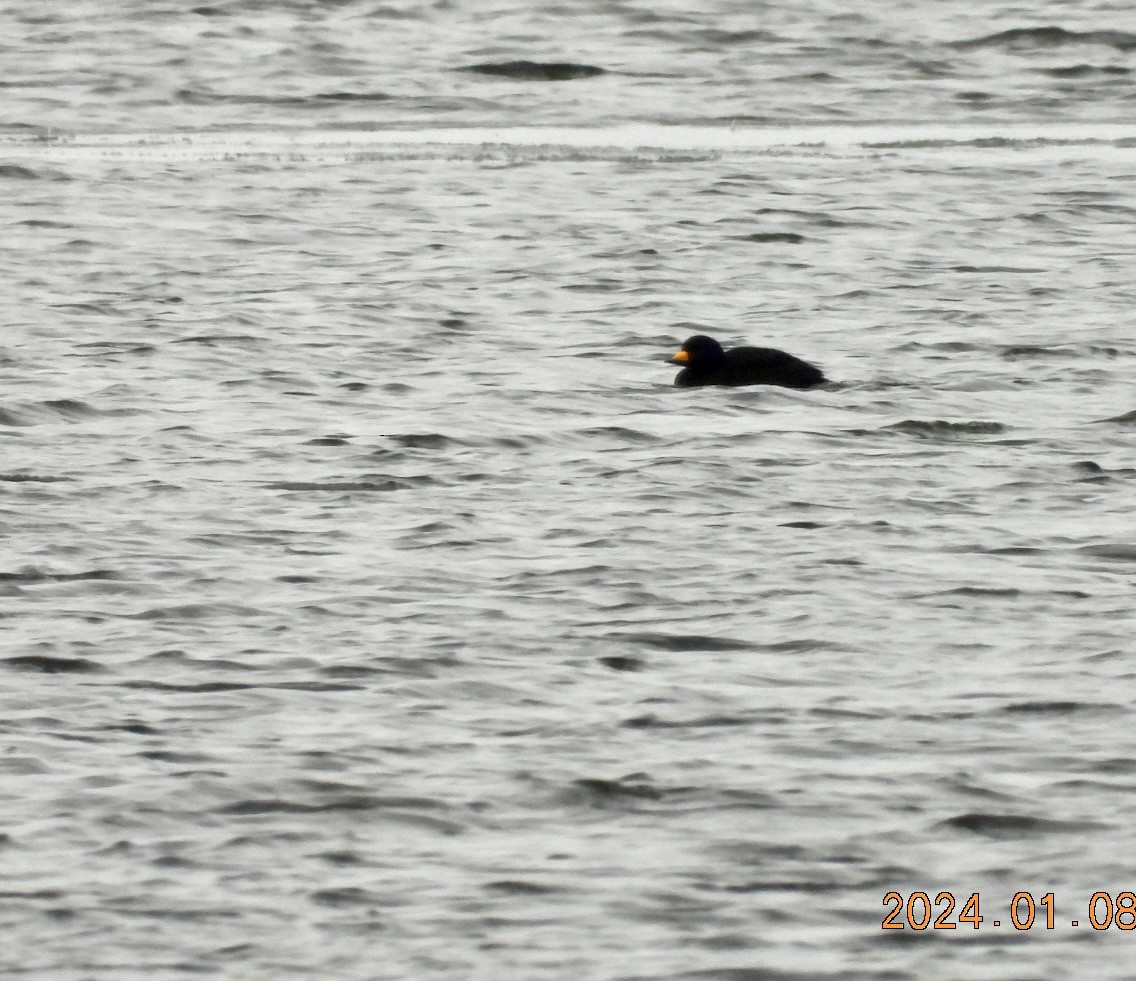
x: 374, y: 607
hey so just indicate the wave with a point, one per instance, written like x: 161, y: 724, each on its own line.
x: 639, y: 140
x: 535, y: 71
x: 1050, y: 37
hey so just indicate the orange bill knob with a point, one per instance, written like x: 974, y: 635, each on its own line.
x: 681, y: 358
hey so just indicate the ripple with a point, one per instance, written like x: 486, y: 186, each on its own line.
x: 1059, y: 708
x: 16, y: 172
x: 1050, y: 37
x: 1126, y: 420
x: 943, y: 430
x: 682, y: 643
x: 54, y: 665
x: 535, y: 71
x: 1114, y: 551
x: 32, y: 576
x: 1015, y: 826
x: 379, y: 486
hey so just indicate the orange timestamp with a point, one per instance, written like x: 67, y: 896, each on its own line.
x: 917, y: 911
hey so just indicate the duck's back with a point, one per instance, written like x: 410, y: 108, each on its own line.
x: 754, y: 366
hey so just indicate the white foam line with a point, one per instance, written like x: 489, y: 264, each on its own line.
x: 204, y: 143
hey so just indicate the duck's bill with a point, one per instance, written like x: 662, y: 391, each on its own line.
x: 680, y: 358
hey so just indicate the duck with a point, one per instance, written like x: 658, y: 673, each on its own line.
x: 705, y: 362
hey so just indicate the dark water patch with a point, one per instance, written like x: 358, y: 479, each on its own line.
x: 948, y: 347
x: 379, y: 486
x: 684, y: 642
x: 774, y: 974
x: 599, y: 792
x: 942, y: 430
x: 1114, y: 551
x: 1049, y: 37
x: 1014, y: 826
x: 819, y: 77
x: 14, y: 172
x: 824, y: 885
x: 809, y: 525
x: 54, y: 665
x: 630, y: 252
x: 414, y: 667
x: 652, y: 721
x: 321, y: 97
x: 239, y: 541
x: 1116, y: 766
x: 217, y: 340
x: 621, y: 434
x: 43, y: 223
x: 100, y: 307
x: 275, y: 805
x: 177, y: 758
x: 519, y: 887
x: 196, y: 611
x: 348, y: 896
x: 421, y: 441
x: 11, y: 418
x: 716, y: 37
x: 116, y: 347
x: 67, y: 409
x: 329, y: 441
x: 73, y: 408
x: 829, y: 712
x: 692, y: 643
x: 1093, y: 472
x: 518, y: 442
x: 341, y: 857
x: 174, y: 862
x: 1015, y: 351
x: 534, y: 71
x: 974, y: 591
x: 1126, y: 420
x: 793, y: 238
x: 996, y: 269
x: 134, y: 728
x: 394, y: 13
x: 199, y: 97
x: 617, y: 663
x: 365, y: 671
x: 745, y: 800
x: 388, y: 808
x: 31, y: 576
x: 806, y: 644
x: 209, y: 687
x: 1107, y: 656
x: 609, y: 285
x: 1058, y: 708
x: 1085, y: 71
x: 974, y: 96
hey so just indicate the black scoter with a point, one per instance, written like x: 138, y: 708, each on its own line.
x: 704, y: 362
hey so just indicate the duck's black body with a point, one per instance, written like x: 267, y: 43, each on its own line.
x: 706, y: 363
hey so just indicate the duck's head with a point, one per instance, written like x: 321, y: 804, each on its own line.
x: 698, y: 350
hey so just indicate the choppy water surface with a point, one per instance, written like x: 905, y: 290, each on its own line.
x: 372, y: 605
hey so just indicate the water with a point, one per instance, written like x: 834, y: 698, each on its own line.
x: 373, y: 607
